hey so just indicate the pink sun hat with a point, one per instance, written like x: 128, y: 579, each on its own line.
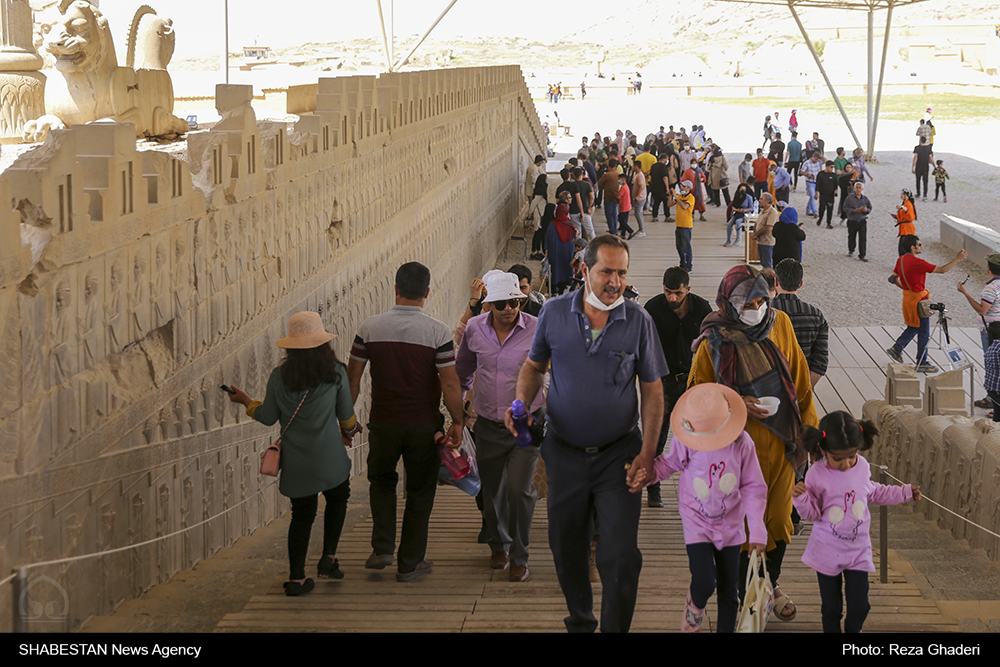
x: 305, y: 331
x: 708, y: 417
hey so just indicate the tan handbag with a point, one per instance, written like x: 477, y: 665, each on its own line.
x: 270, y: 460
x: 758, y: 603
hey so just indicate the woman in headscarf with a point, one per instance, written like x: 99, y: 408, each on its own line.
x: 788, y: 235
x: 559, y: 246
x: 741, y: 205
x: 718, y: 173
x: 750, y: 347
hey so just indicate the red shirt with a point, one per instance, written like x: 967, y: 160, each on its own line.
x: 624, y: 199
x: 760, y: 169
x: 916, y: 272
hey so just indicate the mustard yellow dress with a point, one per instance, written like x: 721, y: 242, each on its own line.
x: 777, y: 469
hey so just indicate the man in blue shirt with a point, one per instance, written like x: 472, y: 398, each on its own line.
x: 793, y: 159
x: 598, y: 343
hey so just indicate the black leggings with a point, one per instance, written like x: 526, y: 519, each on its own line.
x: 710, y: 565
x: 303, y: 515
x: 832, y: 600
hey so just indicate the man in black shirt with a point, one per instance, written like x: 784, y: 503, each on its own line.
x: 659, y: 186
x: 923, y: 161
x: 776, y: 152
x: 677, y: 314
x: 826, y: 192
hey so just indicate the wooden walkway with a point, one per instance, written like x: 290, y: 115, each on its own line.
x: 463, y: 595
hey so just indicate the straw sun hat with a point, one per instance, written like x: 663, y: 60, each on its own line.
x: 708, y: 417
x: 305, y: 331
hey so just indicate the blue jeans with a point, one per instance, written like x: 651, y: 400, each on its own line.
x: 738, y: 224
x: 683, y: 237
x: 766, y: 252
x: 811, y: 194
x: 923, y: 334
x: 611, y: 215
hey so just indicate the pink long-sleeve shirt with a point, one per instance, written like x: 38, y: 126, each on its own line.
x: 716, y: 491
x: 837, y: 503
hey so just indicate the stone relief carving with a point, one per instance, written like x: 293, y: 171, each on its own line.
x: 198, y: 271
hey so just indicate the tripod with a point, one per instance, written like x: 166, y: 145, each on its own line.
x: 941, y: 329
x: 956, y: 356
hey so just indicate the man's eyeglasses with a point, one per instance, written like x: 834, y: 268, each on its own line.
x: 509, y: 303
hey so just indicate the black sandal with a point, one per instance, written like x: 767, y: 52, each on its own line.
x: 295, y: 589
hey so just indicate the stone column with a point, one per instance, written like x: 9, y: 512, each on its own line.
x: 22, y: 86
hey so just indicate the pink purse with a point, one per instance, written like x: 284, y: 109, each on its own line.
x: 270, y: 460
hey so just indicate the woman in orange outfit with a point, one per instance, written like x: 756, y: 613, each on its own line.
x: 905, y: 216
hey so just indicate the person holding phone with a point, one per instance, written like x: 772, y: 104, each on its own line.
x: 309, y: 394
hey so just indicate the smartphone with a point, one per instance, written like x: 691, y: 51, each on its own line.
x: 226, y: 388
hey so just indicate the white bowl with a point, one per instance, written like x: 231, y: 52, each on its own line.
x: 769, y: 404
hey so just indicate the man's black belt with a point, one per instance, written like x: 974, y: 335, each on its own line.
x: 592, y: 450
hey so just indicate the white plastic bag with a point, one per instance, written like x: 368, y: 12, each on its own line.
x: 471, y: 483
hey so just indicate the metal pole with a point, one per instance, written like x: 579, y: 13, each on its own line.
x: 883, y: 538
x: 881, y: 75
x: 225, y: 40
x: 20, y: 597
x: 871, y: 75
x: 385, y: 42
x: 402, y: 62
x: 822, y: 71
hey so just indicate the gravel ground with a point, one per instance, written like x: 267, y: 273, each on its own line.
x: 854, y: 293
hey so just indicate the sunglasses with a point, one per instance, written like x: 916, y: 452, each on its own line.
x: 509, y: 303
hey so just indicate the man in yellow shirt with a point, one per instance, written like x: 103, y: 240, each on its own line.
x: 685, y: 222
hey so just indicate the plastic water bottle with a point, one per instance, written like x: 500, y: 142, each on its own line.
x: 756, y: 208
x: 520, y: 415
x: 454, y: 460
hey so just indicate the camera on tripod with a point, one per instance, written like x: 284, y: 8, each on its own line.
x: 938, y: 307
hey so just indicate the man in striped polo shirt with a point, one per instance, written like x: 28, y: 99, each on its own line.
x: 412, y: 361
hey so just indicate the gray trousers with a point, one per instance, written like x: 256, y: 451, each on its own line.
x: 507, y: 473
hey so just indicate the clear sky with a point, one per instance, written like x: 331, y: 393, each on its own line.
x: 198, y: 22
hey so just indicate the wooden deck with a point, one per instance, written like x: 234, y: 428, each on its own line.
x: 463, y: 595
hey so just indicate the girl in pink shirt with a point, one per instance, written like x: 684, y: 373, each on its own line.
x: 721, y: 484
x: 835, y: 497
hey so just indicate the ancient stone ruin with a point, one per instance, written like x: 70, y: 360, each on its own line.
x: 133, y: 283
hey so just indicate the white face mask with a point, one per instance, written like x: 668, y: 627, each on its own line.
x: 754, y: 317
x: 600, y: 305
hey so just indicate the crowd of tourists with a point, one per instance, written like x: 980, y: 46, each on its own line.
x: 613, y: 395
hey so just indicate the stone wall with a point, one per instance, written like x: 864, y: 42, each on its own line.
x: 134, y: 283
x: 954, y: 460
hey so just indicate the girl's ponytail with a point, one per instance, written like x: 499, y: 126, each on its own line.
x: 868, y: 432
x: 812, y: 439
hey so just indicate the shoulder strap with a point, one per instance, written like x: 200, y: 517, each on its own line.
x: 902, y: 272
x: 294, y: 413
